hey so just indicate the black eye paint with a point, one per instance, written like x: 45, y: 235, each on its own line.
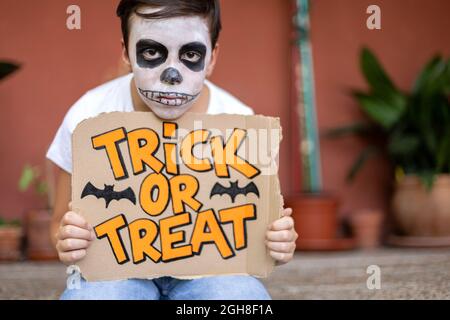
x: 147, y: 45
x: 195, y: 47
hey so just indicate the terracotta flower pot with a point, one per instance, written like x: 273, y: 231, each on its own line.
x: 423, y: 213
x: 366, y: 226
x: 315, y: 216
x: 10, y: 241
x: 39, y: 244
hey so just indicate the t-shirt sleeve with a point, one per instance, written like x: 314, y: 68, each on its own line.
x: 249, y: 111
x: 60, y: 151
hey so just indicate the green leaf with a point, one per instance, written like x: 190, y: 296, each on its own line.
x: 382, y: 112
x: 447, y: 82
x: 375, y: 74
x: 27, y: 178
x: 15, y: 223
x: 383, y: 92
x: 7, y: 68
x: 365, y: 155
x: 401, y: 145
x: 432, y: 79
x: 424, y: 76
x: 12, y: 223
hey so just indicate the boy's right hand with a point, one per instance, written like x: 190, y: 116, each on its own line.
x: 73, y: 238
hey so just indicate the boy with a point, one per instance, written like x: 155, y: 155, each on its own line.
x: 171, y: 47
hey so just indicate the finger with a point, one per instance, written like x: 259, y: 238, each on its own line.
x: 287, y: 212
x: 284, y: 223
x: 282, y: 247
x: 75, y: 232
x: 72, y: 244
x: 281, y: 236
x: 281, y: 257
x: 73, y: 218
x: 72, y: 256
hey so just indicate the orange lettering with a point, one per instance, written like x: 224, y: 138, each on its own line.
x: 238, y: 216
x: 168, y: 239
x: 215, y: 234
x: 110, y: 142
x: 110, y: 229
x: 155, y: 182
x: 143, y: 233
x: 225, y: 156
x: 143, y: 144
x: 187, y: 151
x: 184, y: 188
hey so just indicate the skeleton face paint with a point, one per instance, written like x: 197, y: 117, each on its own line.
x: 169, y: 58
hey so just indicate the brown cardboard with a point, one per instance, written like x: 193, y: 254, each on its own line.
x: 234, y: 252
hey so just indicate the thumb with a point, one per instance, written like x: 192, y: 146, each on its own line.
x: 287, y: 212
x: 74, y: 209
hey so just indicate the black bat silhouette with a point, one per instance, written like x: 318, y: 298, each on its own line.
x: 234, y: 190
x: 108, y: 194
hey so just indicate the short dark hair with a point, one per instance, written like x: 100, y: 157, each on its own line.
x: 209, y: 9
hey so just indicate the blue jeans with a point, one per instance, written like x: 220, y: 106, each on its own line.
x: 166, y: 288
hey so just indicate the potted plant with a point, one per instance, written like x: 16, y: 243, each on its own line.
x: 10, y: 240
x: 412, y: 129
x: 366, y: 227
x: 39, y: 244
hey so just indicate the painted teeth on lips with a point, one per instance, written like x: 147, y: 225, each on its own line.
x: 167, y: 98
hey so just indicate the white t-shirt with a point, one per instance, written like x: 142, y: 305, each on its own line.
x: 116, y: 96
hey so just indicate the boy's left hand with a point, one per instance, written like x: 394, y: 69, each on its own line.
x: 280, y: 238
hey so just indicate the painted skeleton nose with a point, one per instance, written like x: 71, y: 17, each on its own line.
x: 171, y: 76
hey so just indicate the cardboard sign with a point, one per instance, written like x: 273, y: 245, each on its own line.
x: 184, y: 198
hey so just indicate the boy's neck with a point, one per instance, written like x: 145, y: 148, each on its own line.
x: 200, y: 105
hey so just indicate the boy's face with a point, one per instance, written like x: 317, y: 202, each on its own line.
x: 169, y: 59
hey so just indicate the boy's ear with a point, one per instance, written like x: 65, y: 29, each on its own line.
x: 212, y: 63
x: 125, y: 57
